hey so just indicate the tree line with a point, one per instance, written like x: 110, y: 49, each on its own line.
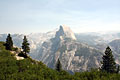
x: 25, y: 45
x: 108, y: 62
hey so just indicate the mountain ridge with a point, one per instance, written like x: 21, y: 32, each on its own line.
x: 69, y: 51
x: 48, y: 47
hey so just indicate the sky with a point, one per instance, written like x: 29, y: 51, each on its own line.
x: 35, y: 16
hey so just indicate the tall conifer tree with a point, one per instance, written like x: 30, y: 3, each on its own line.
x: 108, y: 63
x: 9, y: 42
x: 25, y: 45
x: 58, y: 66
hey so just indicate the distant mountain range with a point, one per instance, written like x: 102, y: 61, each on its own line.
x: 76, y: 51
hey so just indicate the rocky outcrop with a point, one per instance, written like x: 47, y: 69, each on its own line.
x: 74, y: 56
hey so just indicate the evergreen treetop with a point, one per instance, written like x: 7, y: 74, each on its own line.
x: 25, y: 45
x: 58, y: 66
x: 9, y: 42
x: 108, y: 63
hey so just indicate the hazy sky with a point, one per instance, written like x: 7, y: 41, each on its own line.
x: 27, y: 16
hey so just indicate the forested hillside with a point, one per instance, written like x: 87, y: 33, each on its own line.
x: 28, y: 69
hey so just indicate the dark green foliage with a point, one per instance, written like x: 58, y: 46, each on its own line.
x: 58, y: 66
x: 108, y: 63
x: 22, y: 55
x: 96, y: 75
x: 2, y: 45
x: 9, y: 42
x: 25, y: 45
x: 118, y: 69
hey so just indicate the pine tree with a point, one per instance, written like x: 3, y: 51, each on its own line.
x: 9, y: 42
x: 118, y: 69
x: 25, y: 45
x: 108, y: 63
x: 58, y: 66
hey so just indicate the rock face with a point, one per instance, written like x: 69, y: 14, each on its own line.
x: 74, y: 56
x: 115, y: 44
x: 65, y: 32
